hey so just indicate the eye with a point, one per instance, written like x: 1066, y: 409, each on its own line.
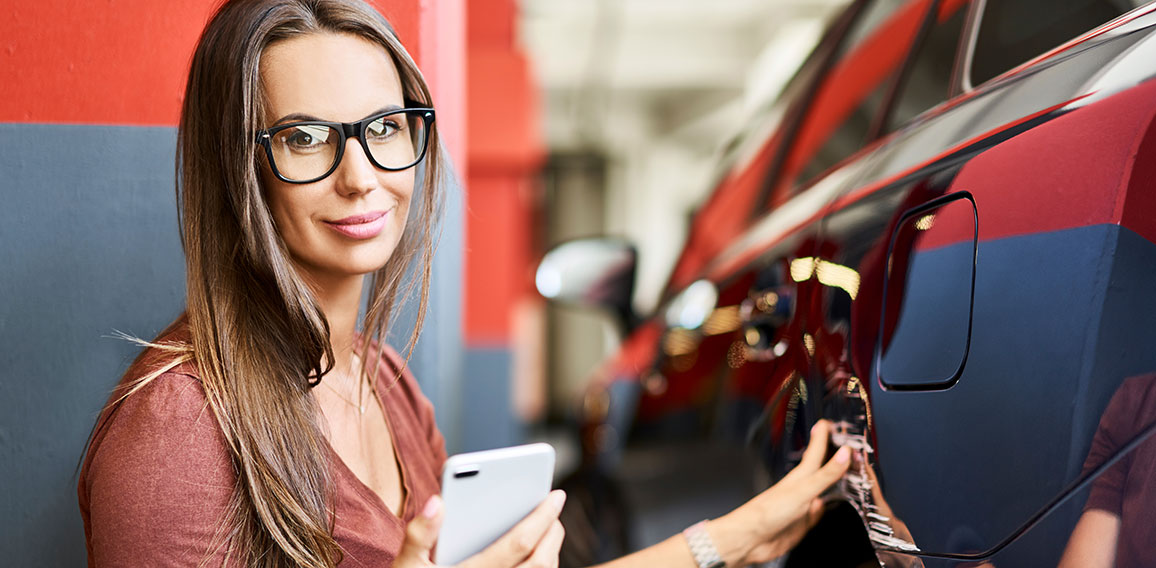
x: 304, y: 138
x: 383, y: 128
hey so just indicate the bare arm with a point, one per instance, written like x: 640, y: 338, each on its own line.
x: 764, y: 528
x: 1093, y: 542
x: 767, y: 526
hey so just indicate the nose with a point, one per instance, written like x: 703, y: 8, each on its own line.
x: 355, y: 174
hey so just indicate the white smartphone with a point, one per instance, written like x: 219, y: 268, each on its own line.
x: 487, y: 493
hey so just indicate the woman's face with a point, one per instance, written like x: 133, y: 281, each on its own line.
x: 349, y: 222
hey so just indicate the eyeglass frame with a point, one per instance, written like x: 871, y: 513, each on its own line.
x: 345, y: 131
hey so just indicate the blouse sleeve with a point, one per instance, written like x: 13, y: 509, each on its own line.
x: 1117, y: 427
x: 160, y: 480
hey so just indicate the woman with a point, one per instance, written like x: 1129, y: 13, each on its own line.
x: 261, y: 428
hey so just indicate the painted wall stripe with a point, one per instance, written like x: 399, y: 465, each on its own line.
x: 113, y: 62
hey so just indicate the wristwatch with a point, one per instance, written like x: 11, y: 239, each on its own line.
x: 702, y: 547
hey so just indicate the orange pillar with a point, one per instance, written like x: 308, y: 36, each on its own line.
x: 505, y: 152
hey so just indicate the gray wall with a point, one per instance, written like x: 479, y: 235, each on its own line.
x: 438, y: 357
x: 90, y: 245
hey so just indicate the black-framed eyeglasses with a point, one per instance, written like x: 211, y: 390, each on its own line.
x: 308, y: 151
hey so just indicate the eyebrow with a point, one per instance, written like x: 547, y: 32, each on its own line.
x: 302, y: 117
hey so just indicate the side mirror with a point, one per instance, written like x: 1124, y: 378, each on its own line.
x: 591, y: 273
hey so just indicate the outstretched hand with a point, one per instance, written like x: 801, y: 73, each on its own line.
x: 532, y: 543
x: 773, y: 522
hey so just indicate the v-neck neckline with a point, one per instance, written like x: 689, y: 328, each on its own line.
x: 365, y: 490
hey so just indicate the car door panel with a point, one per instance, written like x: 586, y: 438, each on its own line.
x: 1060, y: 269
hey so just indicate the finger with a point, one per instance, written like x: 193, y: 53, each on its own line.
x: 421, y: 533
x: 814, y: 513
x: 832, y: 471
x: 517, y: 545
x: 817, y: 448
x: 546, y: 554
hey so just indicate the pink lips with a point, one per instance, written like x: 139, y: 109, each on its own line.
x: 364, y: 226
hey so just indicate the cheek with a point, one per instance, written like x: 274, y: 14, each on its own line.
x: 403, y: 194
x: 289, y: 219
x: 282, y: 219
x: 273, y: 192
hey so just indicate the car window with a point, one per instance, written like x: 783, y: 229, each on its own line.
x: 928, y: 80
x: 850, y: 96
x: 876, y: 14
x: 848, y: 137
x: 747, y: 165
x: 1012, y: 32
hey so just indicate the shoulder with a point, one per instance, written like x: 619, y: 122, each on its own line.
x: 1141, y: 386
x: 159, y: 395
x: 172, y: 405
x: 1133, y: 407
x: 1134, y: 402
x: 158, y: 476
x: 164, y: 427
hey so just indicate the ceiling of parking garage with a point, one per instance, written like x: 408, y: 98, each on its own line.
x: 658, y: 87
x: 686, y: 69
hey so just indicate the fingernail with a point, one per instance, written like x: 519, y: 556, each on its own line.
x: 432, y: 507
x: 557, y: 499
x: 843, y: 455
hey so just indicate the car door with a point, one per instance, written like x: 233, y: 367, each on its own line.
x: 994, y: 242
x: 739, y: 373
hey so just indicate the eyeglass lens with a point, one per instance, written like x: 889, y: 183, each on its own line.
x: 307, y: 151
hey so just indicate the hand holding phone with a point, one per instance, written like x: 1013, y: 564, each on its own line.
x: 512, y: 478
x: 487, y: 493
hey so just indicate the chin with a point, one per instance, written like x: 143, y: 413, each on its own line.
x: 360, y: 265
x: 331, y: 256
x: 372, y: 259
x: 346, y: 263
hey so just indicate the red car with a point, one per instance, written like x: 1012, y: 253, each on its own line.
x: 942, y: 237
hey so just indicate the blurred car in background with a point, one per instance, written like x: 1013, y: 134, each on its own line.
x: 942, y: 236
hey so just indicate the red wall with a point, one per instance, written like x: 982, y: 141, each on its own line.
x: 117, y: 61
x: 124, y: 62
x: 505, y: 151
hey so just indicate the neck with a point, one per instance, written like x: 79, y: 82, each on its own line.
x: 340, y: 301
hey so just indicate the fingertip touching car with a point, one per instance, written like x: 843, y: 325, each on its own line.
x: 942, y: 237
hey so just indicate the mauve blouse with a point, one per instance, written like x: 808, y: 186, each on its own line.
x: 158, y: 475
x: 1128, y: 488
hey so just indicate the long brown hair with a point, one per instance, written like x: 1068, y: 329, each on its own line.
x: 258, y: 337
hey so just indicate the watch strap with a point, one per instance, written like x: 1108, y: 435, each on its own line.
x: 702, y: 547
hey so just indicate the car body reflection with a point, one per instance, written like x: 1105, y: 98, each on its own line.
x: 962, y: 284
